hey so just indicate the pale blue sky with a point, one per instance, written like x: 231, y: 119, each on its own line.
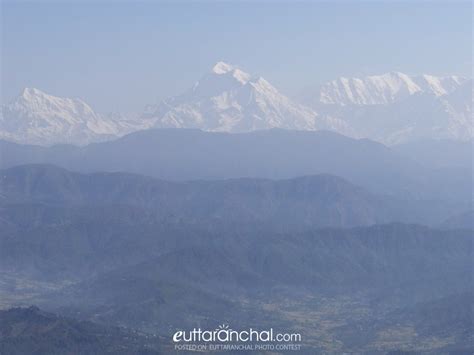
x: 119, y: 56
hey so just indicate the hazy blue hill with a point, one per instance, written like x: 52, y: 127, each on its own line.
x: 321, y: 200
x: 384, y: 255
x: 461, y: 220
x: 441, y: 153
x: 303, y: 202
x: 114, y: 218
x: 186, y: 154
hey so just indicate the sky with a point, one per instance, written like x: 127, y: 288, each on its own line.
x: 120, y: 56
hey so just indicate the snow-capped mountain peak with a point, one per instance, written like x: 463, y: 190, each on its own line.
x: 35, y: 117
x: 31, y: 93
x: 34, y: 102
x: 396, y: 107
x: 221, y: 68
x: 229, y: 99
x: 222, y: 77
x: 377, y: 89
x: 392, y: 107
x: 385, y: 89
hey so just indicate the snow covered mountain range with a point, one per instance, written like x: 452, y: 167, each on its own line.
x: 390, y: 108
x: 35, y: 117
x: 228, y: 99
x: 394, y: 107
x: 385, y: 89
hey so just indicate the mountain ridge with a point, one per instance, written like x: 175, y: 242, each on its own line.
x: 190, y: 154
x: 230, y: 100
x: 321, y: 200
x: 36, y: 117
x: 392, y: 108
x: 385, y: 88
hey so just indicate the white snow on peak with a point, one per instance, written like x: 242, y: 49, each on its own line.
x: 229, y: 99
x: 222, y: 68
x: 439, y: 86
x: 391, y: 108
x: 396, y: 107
x: 35, y: 117
x: 31, y: 92
x: 38, y: 103
x: 384, y: 89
